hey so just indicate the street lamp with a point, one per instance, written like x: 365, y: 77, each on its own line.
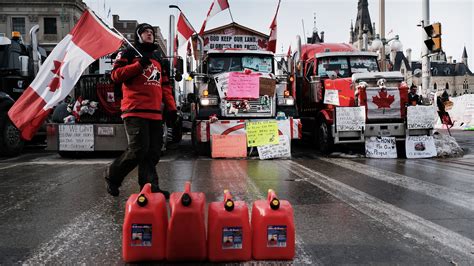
x: 381, y: 45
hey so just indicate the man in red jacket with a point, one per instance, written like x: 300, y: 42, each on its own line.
x: 145, y: 86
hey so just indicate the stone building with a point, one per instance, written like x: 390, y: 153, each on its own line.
x: 127, y: 28
x: 363, y: 25
x: 55, y: 19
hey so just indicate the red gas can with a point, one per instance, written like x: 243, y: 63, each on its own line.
x: 228, y: 234
x: 186, y: 229
x: 273, y: 229
x: 144, y: 226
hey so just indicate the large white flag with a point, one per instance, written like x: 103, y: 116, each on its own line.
x: 216, y: 7
x: 185, y: 30
x: 87, y: 41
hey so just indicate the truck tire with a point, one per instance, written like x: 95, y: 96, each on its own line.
x: 201, y: 148
x: 325, y: 139
x: 11, y: 143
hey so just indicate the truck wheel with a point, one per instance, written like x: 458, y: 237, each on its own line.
x: 201, y: 148
x: 11, y: 143
x: 325, y: 138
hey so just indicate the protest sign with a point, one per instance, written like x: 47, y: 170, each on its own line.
x: 420, y: 116
x: 267, y: 86
x: 222, y: 81
x: 420, y: 147
x: 280, y: 150
x: 331, y: 97
x: 243, y: 86
x: 350, y: 118
x: 228, y: 146
x: 380, y: 147
x: 76, y: 137
x: 262, y: 133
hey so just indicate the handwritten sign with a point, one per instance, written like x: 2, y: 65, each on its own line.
x: 228, y: 146
x: 267, y: 86
x: 76, y: 137
x: 280, y: 150
x: 243, y: 86
x: 420, y: 147
x: 380, y: 147
x: 222, y: 83
x: 262, y: 133
x: 350, y: 118
x: 420, y: 116
x: 331, y: 97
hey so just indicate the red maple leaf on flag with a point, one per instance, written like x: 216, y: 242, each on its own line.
x: 383, y: 100
x: 54, y: 84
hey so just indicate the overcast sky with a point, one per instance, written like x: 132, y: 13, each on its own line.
x: 332, y: 16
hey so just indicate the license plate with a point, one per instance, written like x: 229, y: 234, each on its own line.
x: 105, y: 131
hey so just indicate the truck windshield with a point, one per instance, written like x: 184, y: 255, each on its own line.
x: 256, y: 63
x: 343, y: 67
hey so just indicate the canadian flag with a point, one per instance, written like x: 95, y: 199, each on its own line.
x: 185, y: 30
x: 88, y: 41
x: 273, y: 32
x: 216, y: 7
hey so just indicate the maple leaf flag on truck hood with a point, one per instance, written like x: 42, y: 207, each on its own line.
x: 87, y: 41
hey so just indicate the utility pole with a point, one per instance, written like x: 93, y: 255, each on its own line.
x: 425, y: 59
x: 382, y: 33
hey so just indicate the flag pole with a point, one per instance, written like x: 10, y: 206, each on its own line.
x: 230, y: 14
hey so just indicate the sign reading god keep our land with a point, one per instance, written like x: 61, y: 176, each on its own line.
x: 420, y: 116
x: 262, y: 133
x: 380, y: 147
x: 280, y: 150
x: 331, y: 96
x: 223, y: 41
x: 243, y: 85
x: 350, y: 118
x: 228, y: 146
x: 420, y: 147
x: 76, y: 137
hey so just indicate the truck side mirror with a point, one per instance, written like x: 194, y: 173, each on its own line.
x: 178, y: 76
x: 179, y: 65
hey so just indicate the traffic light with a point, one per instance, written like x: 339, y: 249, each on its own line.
x: 434, y: 35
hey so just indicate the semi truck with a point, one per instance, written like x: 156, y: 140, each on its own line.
x: 19, y: 64
x: 211, y: 109
x: 336, y: 81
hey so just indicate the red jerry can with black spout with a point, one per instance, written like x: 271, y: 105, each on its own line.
x: 273, y: 229
x: 186, y: 239
x: 144, y: 226
x: 229, y: 237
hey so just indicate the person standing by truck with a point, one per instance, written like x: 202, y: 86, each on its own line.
x: 145, y: 86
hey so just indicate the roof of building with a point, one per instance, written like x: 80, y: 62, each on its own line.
x: 464, y: 53
x: 444, y: 69
x: 236, y: 25
x: 363, y: 19
x: 400, y: 59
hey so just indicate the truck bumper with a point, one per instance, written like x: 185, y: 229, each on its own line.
x: 396, y: 130
x: 86, y: 137
x: 204, y: 129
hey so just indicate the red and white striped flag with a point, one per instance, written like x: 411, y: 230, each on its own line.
x: 88, y: 41
x: 184, y: 29
x: 273, y: 32
x: 216, y: 7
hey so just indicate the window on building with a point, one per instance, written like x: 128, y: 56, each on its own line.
x: 435, y: 87
x: 18, y: 24
x: 50, y: 26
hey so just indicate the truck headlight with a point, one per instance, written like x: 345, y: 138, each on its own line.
x: 208, y: 101
x: 289, y: 101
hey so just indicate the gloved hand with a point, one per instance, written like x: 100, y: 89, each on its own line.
x: 171, y: 117
x: 145, y: 61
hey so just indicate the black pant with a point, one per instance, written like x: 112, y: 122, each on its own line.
x: 145, y: 139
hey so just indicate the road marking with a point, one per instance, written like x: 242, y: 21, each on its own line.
x: 448, y: 195
x: 405, y: 223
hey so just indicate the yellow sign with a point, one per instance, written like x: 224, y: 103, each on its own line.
x: 262, y: 133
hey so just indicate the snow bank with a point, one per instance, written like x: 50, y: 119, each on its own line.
x: 447, y: 146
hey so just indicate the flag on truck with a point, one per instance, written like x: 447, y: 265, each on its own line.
x: 89, y: 40
x: 185, y: 30
x: 273, y: 32
x: 216, y: 7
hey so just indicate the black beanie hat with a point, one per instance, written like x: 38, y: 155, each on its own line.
x: 140, y: 29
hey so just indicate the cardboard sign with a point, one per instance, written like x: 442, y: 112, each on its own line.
x: 243, y: 86
x: 262, y: 133
x: 76, y: 137
x: 228, y: 146
x: 267, y: 86
x: 350, y: 118
x: 380, y: 147
x: 331, y: 97
x: 420, y: 147
x: 280, y: 150
x: 222, y: 83
x: 420, y: 116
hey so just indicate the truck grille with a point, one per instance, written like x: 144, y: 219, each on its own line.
x: 258, y: 108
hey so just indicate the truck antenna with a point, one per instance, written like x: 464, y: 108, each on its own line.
x: 304, y: 32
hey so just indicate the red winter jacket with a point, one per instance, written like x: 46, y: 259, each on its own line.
x: 144, y: 89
